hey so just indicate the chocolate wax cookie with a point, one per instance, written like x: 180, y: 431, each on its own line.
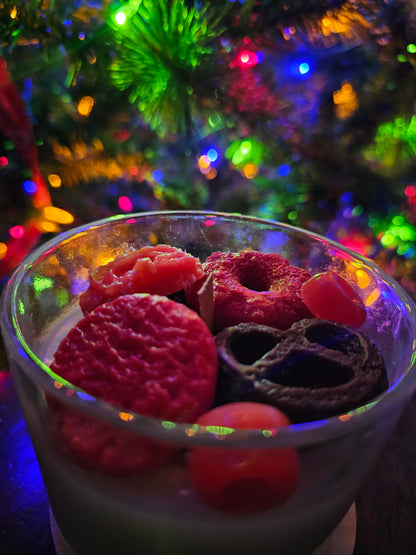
x: 315, y: 369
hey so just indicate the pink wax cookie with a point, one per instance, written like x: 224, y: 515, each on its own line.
x: 159, y: 270
x: 142, y: 353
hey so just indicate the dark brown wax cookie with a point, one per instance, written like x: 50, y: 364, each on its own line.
x: 315, y: 369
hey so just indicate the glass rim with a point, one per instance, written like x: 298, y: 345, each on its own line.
x: 300, y: 434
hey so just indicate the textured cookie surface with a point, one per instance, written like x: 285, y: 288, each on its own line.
x: 159, y: 270
x: 252, y: 286
x: 142, y: 353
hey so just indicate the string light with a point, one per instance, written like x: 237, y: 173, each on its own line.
x: 300, y: 68
x: 58, y: 215
x: 399, y: 131
x: 3, y: 250
x: 204, y: 163
x: 283, y: 170
x: 244, y: 151
x: 345, y: 100
x: 120, y: 17
x: 85, y: 105
x: 30, y: 187
x: 17, y: 231
x: 212, y: 155
x: 245, y: 59
x: 250, y: 170
x: 54, y: 180
x: 125, y: 204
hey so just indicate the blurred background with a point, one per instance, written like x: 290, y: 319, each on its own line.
x: 303, y: 112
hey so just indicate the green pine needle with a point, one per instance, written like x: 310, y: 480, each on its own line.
x: 163, y: 47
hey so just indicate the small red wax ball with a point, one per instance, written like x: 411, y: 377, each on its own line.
x: 330, y: 297
x: 244, y: 480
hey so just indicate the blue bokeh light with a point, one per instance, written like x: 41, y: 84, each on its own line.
x: 157, y: 175
x: 284, y: 170
x: 347, y: 197
x: 30, y: 187
x: 300, y: 68
x: 212, y: 154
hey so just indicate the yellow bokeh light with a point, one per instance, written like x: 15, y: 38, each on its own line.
x: 57, y: 215
x: 345, y: 100
x: 363, y: 279
x: 126, y: 416
x: 98, y: 145
x: 85, y: 105
x: 372, y: 297
x: 346, y: 21
x: 153, y: 239
x: 49, y: 227
x: 249, y: 170
x: 54, y: 180
x: 3, y: 250
x: 204, y: 162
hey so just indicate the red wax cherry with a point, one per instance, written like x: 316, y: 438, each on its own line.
x: 330, y: 297
x: 244, y: 480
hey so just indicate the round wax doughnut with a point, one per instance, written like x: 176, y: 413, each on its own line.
x: 252, y: 286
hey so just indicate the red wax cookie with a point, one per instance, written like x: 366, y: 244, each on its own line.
x: 251, y: 286
x: 159, y: 270
x: 142, y: 353
x: 99, y: 446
